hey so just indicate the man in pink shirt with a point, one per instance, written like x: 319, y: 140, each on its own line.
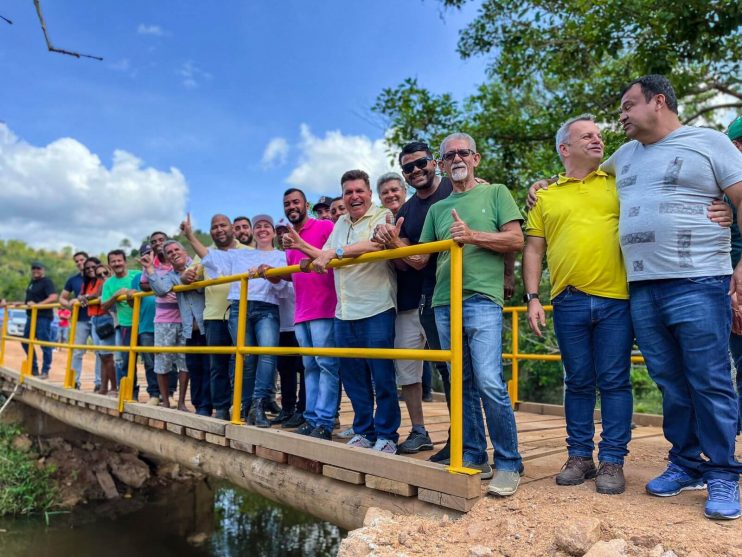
x: 315, y: 313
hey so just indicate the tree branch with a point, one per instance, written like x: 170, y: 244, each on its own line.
x: 724, y: 89
x: 49, y: 45
x: 711, y: 109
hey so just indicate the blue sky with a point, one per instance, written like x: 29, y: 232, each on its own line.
x: 190, y: 95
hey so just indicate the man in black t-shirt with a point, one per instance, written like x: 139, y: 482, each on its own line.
x: 40, y: 291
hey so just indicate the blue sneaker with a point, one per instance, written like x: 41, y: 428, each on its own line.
x: 672, y: 481
x: 723, y: 500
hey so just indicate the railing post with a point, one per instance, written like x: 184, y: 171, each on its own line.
x: 239, y: 359
x: 69, y: 373
x: 132, y: 368
x: 3, y: 334
x: 31, y: 338
x: 513, y: 383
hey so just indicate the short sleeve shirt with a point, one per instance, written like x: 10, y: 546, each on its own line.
x: 74, y: 286
x: 485, y: 208
x: 38, y: 291
x: 664, y: 189
x: 111, y: 286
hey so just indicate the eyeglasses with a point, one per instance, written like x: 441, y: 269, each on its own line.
x: 419, y: 163
x: 463, y: 153
x: 104, y: 274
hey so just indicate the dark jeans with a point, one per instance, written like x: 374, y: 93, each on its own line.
x: 427, y: 319
x: 682, y: 327
x: 43, y: 332
x: 217, y: 334
x: 289, y: 367
x: 376, y: 331
x: 200, y: 375
x: 595, y: 337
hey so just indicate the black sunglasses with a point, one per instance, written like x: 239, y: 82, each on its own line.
x: 419, y: 163
x: 101, y: 275
x: 463, y: 153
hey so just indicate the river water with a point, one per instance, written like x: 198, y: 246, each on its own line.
x: 199, y: 519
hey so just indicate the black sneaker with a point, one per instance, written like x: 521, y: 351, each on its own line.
x: 321, y: 432
x: 576, y: 470
x: 305, y: 429
x: 443, y: 454
x: 294, y: 421
x: 415, y: 443
x: 271, y: 407
x: 282, y: 417
x: 428, y: 397
x: 610, y: 479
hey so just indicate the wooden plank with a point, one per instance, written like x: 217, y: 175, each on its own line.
x: 113, y: 412
x: 141, y: 420
x: 216, y: 439
x: 394, y: 467
x: 446, y: 500
x: 174, y: 416
x: 156, y: 424
x: 270, y: 454
x: 240, y: 446
x: 390, y: 486
x: 349, y: 476
x: 195, y: 433
x: 175, y: 428
x: 313, y: 466
x: 128, y: 417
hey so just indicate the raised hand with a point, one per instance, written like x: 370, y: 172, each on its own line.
x: 292, y: 240
x: 185, y: 226
x: 388, y: 233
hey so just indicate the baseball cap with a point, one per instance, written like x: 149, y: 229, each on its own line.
x: 146, y: 247
x: 266, y: 218
x: 324, y: 200
x: 283, y: 223
x: 735, y: 129
x: 37, y: 265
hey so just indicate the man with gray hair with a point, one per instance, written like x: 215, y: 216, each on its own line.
x: 484, y: 219
x: 592, y: 319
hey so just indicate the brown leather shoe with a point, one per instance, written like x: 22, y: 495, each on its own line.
x: 610, y: 480
x: 576, y: 470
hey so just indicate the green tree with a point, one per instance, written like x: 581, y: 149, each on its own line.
x: 549, y: 61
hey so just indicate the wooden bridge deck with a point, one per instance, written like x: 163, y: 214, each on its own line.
x: 541, y: 435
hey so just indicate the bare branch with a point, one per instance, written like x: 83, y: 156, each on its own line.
x: 6, y: 19
x: 729, y: 91
x: 49, y: 45
x: 708, y: 109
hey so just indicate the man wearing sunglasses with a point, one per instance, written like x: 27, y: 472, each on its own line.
x: 485, y: 220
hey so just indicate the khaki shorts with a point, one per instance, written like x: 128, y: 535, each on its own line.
x: 409, y: 333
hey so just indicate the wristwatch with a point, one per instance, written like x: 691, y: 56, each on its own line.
x: 339, y: 253
x: 530, y: 296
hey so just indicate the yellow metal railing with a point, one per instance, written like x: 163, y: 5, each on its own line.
x: 454, y: 356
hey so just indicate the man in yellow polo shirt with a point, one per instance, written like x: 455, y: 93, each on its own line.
x: 575, y: 222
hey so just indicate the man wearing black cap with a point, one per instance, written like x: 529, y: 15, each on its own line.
x: 321, y: 209
x: 40, y: 291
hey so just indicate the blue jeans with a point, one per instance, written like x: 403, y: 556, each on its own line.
x: 262, y: 330
x: 43, y: 332
x: 595, y: 338
x: 217, y: 334
x: 735, y: 347
x: 148, y: 358
x: 682, y: 327
x: 482, y: 370
x: 83, y: 332
x: 198, y: 372
x: 376, y: 331
x: 321, y: 374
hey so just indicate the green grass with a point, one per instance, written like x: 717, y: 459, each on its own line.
x: 25, y: 486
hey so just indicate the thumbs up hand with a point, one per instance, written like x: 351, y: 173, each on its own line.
x: 460, y: 231
x: 388, y: 234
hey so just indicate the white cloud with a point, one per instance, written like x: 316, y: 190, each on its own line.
x: 62, y: 194
x: 275, y: 152
x: 154, y: 30
x: 323, y: 160
x: 192, y: 76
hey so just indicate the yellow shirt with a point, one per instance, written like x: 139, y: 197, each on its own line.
x: 216, y: 296
x: 367, y: 289
x: 579, y: 221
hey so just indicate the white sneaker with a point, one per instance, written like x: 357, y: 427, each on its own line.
x: 154, y: 401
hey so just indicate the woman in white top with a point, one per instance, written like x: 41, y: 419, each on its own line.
x: 263, y: 298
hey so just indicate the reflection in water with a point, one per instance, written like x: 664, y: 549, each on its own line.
x: 228, y: 521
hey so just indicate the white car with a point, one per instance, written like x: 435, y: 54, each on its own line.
x: 16, y: 321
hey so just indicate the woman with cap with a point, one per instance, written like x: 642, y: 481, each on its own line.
x: 262, y: 325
